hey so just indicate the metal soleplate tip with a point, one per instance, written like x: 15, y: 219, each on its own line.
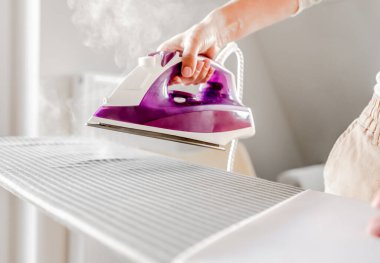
x: 157, y: 135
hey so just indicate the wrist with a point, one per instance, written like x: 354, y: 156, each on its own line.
x: 216, y: 25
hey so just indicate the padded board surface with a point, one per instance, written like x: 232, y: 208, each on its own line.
x: 148, y: 207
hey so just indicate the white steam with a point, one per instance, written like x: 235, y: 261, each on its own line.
x: 134, y: 27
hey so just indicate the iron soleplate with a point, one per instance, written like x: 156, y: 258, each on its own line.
x: 157, y: 135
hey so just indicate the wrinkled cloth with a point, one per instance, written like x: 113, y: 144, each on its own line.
x: 353, y: 166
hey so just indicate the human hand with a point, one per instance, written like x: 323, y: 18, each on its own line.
x: 201, y: 39
x: 374, y: 225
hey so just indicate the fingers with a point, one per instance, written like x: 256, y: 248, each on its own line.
x: 193, y: 71
x: 209, y: 74
x: 199, y: 71
x: 374, y: 227
x: 191, y: 80
x: 189, y: 57
x: 176, y: 80
x: 203, y: 72
x: 376, y: 201
x: 192, y: 43
x: 188, y: 68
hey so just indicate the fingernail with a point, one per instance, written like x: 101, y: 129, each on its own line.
x: 376, y: 202
x: 186, y: 72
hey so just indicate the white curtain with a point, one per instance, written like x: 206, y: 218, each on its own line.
x: 26, y: 236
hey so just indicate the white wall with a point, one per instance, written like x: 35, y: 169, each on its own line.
x: 62, y: 51
x: 273, y: 149
x: 323, y: 67
x: 63, y: 57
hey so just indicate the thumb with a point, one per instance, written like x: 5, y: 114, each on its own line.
x: 189, y: 57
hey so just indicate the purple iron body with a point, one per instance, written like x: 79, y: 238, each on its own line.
x: 144, y: 104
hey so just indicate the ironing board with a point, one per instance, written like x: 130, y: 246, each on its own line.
x: 147, y: 207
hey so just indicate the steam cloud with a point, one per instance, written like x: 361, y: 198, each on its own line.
x: 134, y: 27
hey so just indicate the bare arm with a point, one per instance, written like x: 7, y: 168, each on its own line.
x: 234, y: 20
x: 238, y: 19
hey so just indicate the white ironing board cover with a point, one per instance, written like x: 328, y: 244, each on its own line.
x: 148, y: 207
x: 310, y: 227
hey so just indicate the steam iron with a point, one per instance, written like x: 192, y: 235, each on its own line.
x: 143, y: 104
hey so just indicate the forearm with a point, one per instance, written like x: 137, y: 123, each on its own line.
x: 239, y: 18
x: 230, y: 22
